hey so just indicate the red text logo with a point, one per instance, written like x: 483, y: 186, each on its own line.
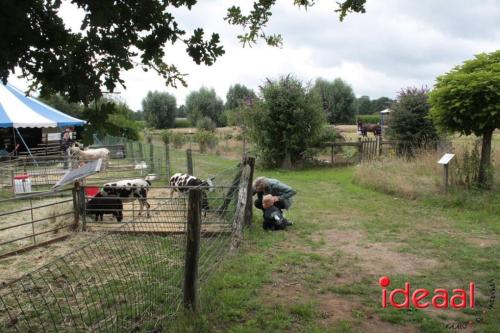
x: 422, y: 298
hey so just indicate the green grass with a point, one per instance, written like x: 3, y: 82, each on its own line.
x: 281, y: 281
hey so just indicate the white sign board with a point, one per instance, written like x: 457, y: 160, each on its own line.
x: 53, y: 136
x: 446, y: 158
x: 86, y: 170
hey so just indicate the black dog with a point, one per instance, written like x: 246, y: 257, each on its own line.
x: 274, y: 220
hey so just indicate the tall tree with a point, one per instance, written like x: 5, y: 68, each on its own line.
x: 205, y: 103
x: 62, y: 104
x: 238, y: 95
x: 380, y: 104
x: 337, y: 99
x: 181, y: 112
x: 285, y: 122
x: 410, y: 124
x: 159, y: 109
x: 108, y: 117
x: 238, y: 99
x: 467, y: 100
x: 114, y: 35
x: 363, y: 105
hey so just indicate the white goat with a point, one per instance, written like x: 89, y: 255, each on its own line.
x: 91, y: 154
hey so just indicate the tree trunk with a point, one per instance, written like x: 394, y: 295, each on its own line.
x: 287, y: 161
x: 485, y: 163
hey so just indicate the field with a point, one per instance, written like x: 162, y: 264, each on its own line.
x: 322, y: 274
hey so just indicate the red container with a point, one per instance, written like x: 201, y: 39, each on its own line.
x: 92, y: 191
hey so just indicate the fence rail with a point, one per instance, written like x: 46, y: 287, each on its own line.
x: 364, y: 149
x: 136, y: 276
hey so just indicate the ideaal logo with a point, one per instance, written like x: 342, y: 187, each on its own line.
x: 440, y: 298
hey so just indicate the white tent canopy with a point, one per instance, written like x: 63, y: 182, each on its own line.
x: 18, y: 111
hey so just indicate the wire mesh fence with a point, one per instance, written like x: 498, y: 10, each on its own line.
x: 130, y: 277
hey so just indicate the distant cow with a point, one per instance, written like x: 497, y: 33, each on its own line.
x: 100, y: 205
x: 182, y: 182
x: 129, y: 190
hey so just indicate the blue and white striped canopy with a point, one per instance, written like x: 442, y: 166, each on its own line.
x: 18, y: 110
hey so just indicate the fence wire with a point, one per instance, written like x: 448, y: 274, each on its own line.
x: 129, y: 278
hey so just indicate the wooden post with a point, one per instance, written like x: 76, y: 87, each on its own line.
x: 248, y: 218
x: 360, y: 150
x: 83, y: 207
x: 189, y: 161
x: 141, y: 155
x: 240, y: 209
x: 244, y: 147
x: 379, y: 145
x: 151, y: 157
x: 167, y: 158
x: 331, y: 159
x: 445, y: 177
x: 76, y: 206
x: 192, y: 251
x: 132, y: 150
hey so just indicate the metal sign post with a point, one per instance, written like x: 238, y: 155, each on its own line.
x: 445, y: 161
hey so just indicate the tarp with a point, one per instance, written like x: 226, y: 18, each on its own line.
x: 18, y: 110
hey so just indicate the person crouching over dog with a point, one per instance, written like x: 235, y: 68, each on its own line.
x: 281, y: 195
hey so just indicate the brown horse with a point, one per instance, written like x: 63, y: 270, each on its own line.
x: 363, y: 129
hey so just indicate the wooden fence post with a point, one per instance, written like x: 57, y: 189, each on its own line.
x: 332, y: 149
x: 248, y: 219
x: 360, y: 150
x: 76, y: 207
x: 141, y: 153
x: 167, y: 158
x: 83, y: 207
x: 189, y: 161
x: 240, y: 209
x: 190, y: 289
x: 152, y: 157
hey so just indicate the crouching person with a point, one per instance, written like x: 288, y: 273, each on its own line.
x: 273, y: 216
x: 279, y: 195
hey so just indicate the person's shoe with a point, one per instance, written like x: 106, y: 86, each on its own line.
x: 288, y: 223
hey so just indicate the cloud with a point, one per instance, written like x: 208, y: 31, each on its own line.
x: 397, y: 43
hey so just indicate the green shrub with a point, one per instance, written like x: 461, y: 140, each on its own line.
x: 177, y: 139
x: 206, y: 124
x: 465, y: 167
x: 369, y: 118
x: 182, y: 123
x: 286, y: 122
x: 410, y: 124
x: 166, y: 137
x: 205, y: 139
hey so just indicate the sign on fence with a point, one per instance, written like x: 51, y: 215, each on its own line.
x: 84, y: 171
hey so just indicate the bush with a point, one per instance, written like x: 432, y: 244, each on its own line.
x: 369, y: 118
x: 205, y: 139
x: 206, y: 124
x: 286, y: 122
x: 182, y: 123
x: 178, y: 139
x: 410, y: 124
x: 166, y: 137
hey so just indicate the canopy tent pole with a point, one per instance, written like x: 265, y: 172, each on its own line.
x: 15, y: 142
x: 25, y: 145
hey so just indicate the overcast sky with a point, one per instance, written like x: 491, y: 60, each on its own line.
x: 397, y: 43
